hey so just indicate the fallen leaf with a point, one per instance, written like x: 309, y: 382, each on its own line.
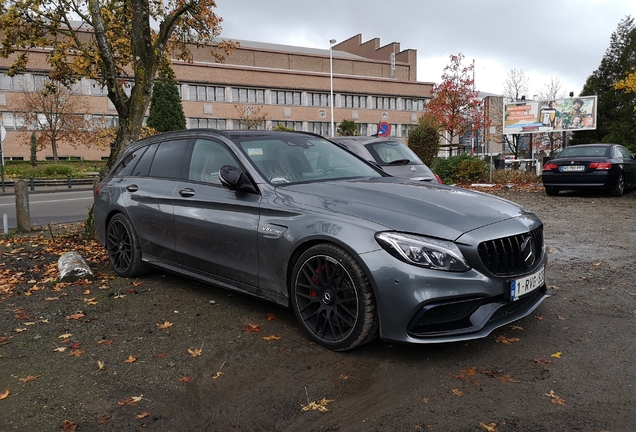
x: 195, y: 352
x: 543, y: 362
x: 165, y: 325
x: 516, y: 327
x: 130, y: 359
x: 271, y: 317
x: 105, y: 342
x: 136, y: 283
x: 4, y: 395
x: 20, y: 330
x: 506, y: 341
x: 161, y: 355
x: 491, y: 427
x: 251, y: 328
x: 561, y: 318
x: 28, y: 379
x: 51, y: 298
x: 458, y: 392
x: 103, y: 419
x: 69, y: 426
x: 217, y: 374
x: 185, y: 379
x: 60, y: 349
x: 77, y: 352
x: 143, y: 414
x: 596, y: 264
x: 556, y: 400
x: 101, y: 365
x: 119, y: 296
x: 271, y: 338
x: 75, y: 316
x: 469, y: 371
x: 130, y: 401
x: 65, y: 336
x: 91, y: 301
x: 539, y: 317
x: 557, y: 354
x: 423, y: 400
x: 87, y: 292
x: 320, y: 405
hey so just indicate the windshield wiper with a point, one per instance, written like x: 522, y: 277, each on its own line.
x: 400, y: 162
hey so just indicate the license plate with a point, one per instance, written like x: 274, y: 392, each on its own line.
x: 526, y: 284
x: 571, y: 168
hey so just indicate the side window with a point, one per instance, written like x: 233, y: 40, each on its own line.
x: 207, y: 159
x: 169, y: 159
x: 126, y: 166
x: 625, y: 153
x: 143, y: 166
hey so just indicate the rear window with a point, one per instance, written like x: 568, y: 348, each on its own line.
x: 387, y: 152
x: 575, y: 151
x: 169, y: 160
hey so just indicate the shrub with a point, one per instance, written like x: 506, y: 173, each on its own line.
x: 57, y: 170
x: 461, y: 169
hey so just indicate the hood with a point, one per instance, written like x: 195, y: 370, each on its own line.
x: 416, y: 207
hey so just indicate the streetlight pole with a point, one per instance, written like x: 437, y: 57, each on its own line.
x: 331, y: 42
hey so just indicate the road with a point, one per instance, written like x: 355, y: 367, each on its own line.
x: 50, y: 207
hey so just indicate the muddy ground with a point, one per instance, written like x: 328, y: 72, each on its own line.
x: 164, y: 353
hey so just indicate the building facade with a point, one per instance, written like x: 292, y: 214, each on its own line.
x: 286, y: 85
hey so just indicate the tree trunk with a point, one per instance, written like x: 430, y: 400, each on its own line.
x: 54, y: 148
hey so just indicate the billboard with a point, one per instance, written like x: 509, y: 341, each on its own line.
x: 550, y: 115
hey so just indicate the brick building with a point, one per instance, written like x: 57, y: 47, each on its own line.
x: 289, y: 85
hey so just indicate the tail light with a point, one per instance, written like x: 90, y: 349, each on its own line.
x: 439, y: 179
x: 96, y: 190
x: 601, y: 165
x: 549, y: 167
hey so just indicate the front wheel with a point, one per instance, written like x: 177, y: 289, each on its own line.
x: 122, y: 244
x: 332, y: 298
x: 619, y: 187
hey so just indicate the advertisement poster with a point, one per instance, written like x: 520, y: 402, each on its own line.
x: 550, y: 115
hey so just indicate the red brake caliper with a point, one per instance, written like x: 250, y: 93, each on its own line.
x: 314, y: 279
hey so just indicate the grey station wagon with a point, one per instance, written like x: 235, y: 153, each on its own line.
x: 295, y: 219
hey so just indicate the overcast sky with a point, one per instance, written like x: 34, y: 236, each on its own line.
x: 561, y: 39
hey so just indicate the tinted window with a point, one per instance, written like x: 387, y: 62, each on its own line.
x: 624, y: 153
x: 168, y: 162
x: 126, y: 166
x: 143, y: 166
x: 386, y: 152
x: 575, y: 151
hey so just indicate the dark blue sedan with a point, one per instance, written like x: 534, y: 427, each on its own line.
x: 604, y: 167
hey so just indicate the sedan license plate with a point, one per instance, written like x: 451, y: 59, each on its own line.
x: 526, y: 284
x: 572, y: 168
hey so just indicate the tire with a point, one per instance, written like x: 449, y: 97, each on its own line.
x: 551, y: 191
x: 122, y: 244
x: 333, y: 299
x: 619, y: 187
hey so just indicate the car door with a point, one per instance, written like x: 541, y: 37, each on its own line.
x: 148, y: 190
x: 216, y: 228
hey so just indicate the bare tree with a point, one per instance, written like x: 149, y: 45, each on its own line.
x: 515, y: 86
x: 250, y: 117
x: 56, y: 114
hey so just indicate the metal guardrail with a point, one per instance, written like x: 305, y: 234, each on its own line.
x: 45, y: 182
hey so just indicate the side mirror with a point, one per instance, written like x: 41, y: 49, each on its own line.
x: 235, y: 179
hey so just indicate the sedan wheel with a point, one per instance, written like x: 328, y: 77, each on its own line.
x: 619, y: 187
x: 123, y: 248
x: 332, y: 298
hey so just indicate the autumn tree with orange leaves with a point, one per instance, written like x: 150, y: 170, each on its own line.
x: 455, y: 105
x: 56, y: 114
x: 119, y: 43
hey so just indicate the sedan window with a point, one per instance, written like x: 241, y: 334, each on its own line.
x: 168, y: 162
x: 388, y: 152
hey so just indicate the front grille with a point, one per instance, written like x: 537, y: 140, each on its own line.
x: 502, y: 257
x: 445, y: 316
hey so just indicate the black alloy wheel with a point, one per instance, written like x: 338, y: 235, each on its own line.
x: 122, y: 244
x: 619, y: 187
x: 332, y: 298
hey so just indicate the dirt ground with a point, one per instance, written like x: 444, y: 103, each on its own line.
x: 164, y: 353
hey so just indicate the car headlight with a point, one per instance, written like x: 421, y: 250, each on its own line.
x: 423, y: 251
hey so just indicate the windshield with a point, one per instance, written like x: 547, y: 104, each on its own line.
x: 576, y: 151
x: 303, y: 159
x: 392, y: 153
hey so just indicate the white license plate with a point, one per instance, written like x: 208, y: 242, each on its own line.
x: 571, y: 168
x: 526, y: 284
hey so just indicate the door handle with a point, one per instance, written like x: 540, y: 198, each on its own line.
x: 132, y: 188
x: 187, y: 192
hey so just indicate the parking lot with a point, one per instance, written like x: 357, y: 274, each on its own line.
x: 163, y: 353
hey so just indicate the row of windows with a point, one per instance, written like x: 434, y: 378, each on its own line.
x: 241, y: 95
x: 13, y: 121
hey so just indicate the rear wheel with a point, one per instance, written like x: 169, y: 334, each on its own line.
x: 619, y: 187
x: 332, y: 298
x: 551, y: 191
x: 122, y: 244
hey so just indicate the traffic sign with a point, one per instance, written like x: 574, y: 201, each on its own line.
x: 384, y: 129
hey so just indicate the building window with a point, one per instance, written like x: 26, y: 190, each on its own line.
x: 206, y: 123
x: 318, y: 99
x: 362, y: 129
x: 384, y: 103
x: 285, y: 98
x: 15, y: 83
x: 414, y: 104
x: 320, y: 128
x: 206, y: 93
x: 97, y: 89
x: 245, y: 95
x: 295, y: 125
x: 353, y: 101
